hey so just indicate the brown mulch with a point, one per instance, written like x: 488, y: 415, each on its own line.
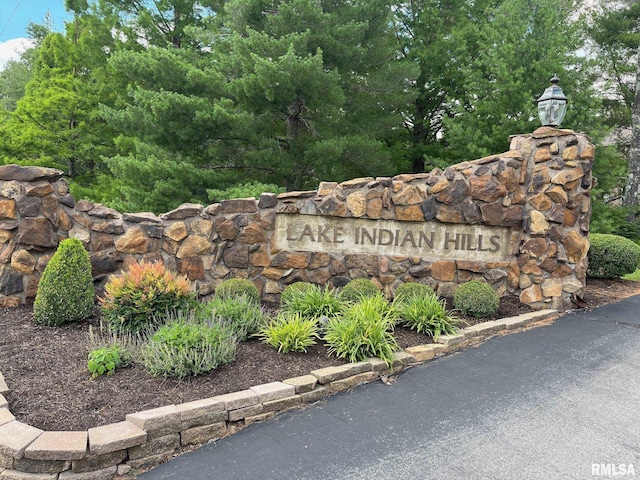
x: 50, y: 387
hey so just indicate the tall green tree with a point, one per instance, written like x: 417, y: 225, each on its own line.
x: 288, y: 92
x: 55, y: 123
x: 521, y: 44
x: 614, y: 35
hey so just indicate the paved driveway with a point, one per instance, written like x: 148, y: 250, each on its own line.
x: 556, y: 402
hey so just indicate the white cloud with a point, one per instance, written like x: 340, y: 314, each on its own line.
x: 11, y: 49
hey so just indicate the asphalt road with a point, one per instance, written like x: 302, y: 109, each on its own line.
x: 556, y: 402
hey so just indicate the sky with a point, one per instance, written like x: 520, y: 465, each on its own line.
x: 15, y: 15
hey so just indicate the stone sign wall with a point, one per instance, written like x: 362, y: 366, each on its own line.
x: 518, y: 221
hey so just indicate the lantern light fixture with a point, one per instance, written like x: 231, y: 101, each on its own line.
x: 552, y: 104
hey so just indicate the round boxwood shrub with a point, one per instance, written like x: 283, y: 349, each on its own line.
x: 65, y: 292
x: 237, y: 288
x: 359, y: 289
x: 476, y: 299
x: 410, y: 290
x: 612, y: 256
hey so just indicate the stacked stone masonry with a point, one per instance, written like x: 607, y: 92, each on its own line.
x: 539, y: 190
x: 148, y: 438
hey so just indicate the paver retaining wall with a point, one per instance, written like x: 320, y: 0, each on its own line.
x: 145, y: 439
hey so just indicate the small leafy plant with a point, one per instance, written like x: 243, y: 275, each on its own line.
x: 184, y: 346
x: 104, y: 360
x: 237, y: 288
x: 289, y: 332
x: 312, y: 301
x: 65, y: 292
x: 476, y: 299
x: 363, y: 330
x: 143, y: 295
x: 358, y: 289
x: 427, y: 315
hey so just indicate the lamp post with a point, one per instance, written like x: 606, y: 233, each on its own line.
x: 552, y: 105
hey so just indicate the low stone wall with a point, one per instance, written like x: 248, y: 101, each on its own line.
x: 145, y: 439
x: 517, y: 220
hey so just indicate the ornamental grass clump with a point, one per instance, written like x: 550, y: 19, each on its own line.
x: 358, y: 289
x: 363, y: 330
x: 311, y: 301
x: 65, y: 293
x: 185, y: 346
x: 406, y: 291
x: 244, y: 317
x: 476, y: 299
x: 292, y: 290
x: 612, y: 256
x: 426, y: 314
x: 143, y: 295
x: 237, y: 288
x: 289, y: 332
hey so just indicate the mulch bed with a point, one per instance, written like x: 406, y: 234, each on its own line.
x: 51, y: 389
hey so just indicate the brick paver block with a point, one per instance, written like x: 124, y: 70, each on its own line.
x: 538, y: 315
x: 268, y: 392
x: 203, y: 434
x: 104, y: 474
x: 159, y: 421
x: 200, y: 408
x: 3, y: 385
x: 58, y: 446
x: 115, y: 436
x: 402, y: 358
x: 16, y: 475
x: 450, y: 340
x: 303, y: 383
x: 484, y: 328
x: 377, y: 364
x: 15, y: 437
x: 331, y: 374
x: 315, y: 395
x: 423, y: 353
x: 242, y: 413
x: 241, y: 399
x: 3, y: 402
x: 6, y: 416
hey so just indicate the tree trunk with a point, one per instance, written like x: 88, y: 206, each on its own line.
x: 632, y: 191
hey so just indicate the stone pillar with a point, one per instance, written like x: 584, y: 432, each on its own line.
x: 553, y: 247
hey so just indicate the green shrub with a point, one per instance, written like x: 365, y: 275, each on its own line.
x: 243, y: 317
x: 104, y: 360
x: 143, y: 295
x: 65, y: 292
x: 290, y: 332
x: 426, y: 314
x: 476, y: 299
x: 357, y: 289
x: 611, y: 256
x: 292, y: 290
x: 184, y: 346
x: 406, y: 291
x: 237, y: 288
x: 364, y: 329
x: 312, y: 301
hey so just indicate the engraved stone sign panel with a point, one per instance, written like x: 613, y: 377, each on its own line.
x: 313, y: 233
